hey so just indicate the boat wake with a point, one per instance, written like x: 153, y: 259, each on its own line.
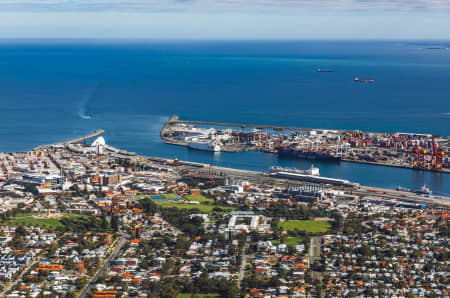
x: 83, y: 113
x: 448, y: 114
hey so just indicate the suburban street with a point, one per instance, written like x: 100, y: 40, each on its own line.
x: 106, y: 265
x: 244, y: 262
x: 19, y: 278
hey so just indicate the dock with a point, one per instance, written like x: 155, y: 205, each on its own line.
x: 176, y: 120
x: 401, y: 150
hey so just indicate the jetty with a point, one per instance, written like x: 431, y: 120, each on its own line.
x: 175, y: 119
x: 82, y: 139
x: 75, y: 141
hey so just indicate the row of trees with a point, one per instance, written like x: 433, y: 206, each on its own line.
x: 177, y: 217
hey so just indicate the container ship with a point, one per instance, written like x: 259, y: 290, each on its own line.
x: 308, y: 154
x: 366, y: 80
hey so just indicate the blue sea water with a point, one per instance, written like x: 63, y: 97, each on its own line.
x: 130, y: 88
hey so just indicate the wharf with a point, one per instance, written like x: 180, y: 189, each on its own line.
x: 176, y: 119
x: 393, y: 165
x: 171, y: 141
x: 391, y: 162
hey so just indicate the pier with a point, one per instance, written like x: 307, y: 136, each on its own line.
x: 74, y: 141
x: 82, y: 139
x: 176, y: 119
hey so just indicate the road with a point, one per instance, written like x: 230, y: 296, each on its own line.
x: 366, y: 225
x: 19, y: 278
x: 314, y: 248
x: 243, y: 262
x: 106, y: 265
x: 314, y: 253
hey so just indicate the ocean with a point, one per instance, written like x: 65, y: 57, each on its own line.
x: 49, y: 89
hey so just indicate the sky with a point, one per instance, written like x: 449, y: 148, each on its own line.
x: 226, y: 19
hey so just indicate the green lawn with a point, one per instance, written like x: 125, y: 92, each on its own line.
x: 47, y: 223
x: 187, y: 295
x: 293, y: 241
x: 140, y: 196
x: 305, y: 225
x: 290, y: 241
x: 198, y: 198
x: 203, y: 208
x: 170, y: 195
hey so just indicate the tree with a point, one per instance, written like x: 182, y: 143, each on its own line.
x: 21, y: 231
x: 114, y: 224
x: 104, y: 223
x: 168, y: 266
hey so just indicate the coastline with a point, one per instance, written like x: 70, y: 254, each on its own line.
x: 376, y: 192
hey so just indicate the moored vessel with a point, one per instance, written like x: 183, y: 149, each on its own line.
x: 311, y: 171
x: 308, y: 154
x: 204, y: 145
x: 424, y: 190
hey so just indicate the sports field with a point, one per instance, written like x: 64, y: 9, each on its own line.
x: 29, y: 219
x: 310, y: 226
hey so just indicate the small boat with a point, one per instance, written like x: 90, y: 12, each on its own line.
x: 399, y: 188
x: 365, y: 80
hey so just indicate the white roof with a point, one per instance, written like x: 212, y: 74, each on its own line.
x: 100, y: 141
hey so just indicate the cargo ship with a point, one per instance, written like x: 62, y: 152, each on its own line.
x: 204, y: 145
x: 364, y: 80
x: 313, y: 171
x: 324, y: 70
x: 308, y: 154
